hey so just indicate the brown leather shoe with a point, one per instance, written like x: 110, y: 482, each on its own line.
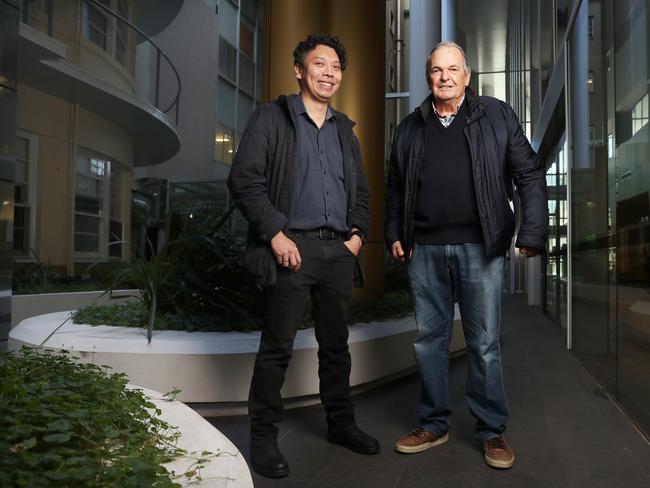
x: 498, y: 453
x: 419, y: 440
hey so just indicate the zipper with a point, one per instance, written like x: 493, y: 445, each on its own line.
x: 486, y: 221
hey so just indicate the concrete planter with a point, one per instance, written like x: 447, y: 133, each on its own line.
x: 26, y: 306
x: 227, y: 469
x: 215, y: 367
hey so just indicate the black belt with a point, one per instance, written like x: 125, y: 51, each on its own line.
x: 323, y: 233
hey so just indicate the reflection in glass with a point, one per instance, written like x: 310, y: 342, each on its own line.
x: 611, y: 208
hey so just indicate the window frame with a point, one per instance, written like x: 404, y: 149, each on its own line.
x: 32, y: 189
x: 104, y: 216
x: 112, y: 30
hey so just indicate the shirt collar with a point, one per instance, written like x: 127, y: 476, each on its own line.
x: 435, y: 110
x: 299, y: 108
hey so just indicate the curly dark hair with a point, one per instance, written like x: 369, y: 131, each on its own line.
x: 305, y: 47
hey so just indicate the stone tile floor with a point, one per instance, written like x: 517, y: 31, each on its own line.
x: 566, y: 433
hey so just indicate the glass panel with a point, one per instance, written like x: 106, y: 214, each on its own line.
x: 492, y: 84
x: 246, y: 40
x: 115, y: 237
x: 86, y: 243
x: 223, y: 144
x: 556, y: 258
x: 227, y: 61
x: 611, y: 202
x: 21, y: 229
x: 244, y: 110
x: 228, y: 22
x: 246, y: 74
x: 95, y: 25
x: 593, y: 334
x: 87, y: 224
x: 249, y: 9
x: 632, y: 211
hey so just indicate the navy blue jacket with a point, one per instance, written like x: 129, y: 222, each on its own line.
x: 501, y: 155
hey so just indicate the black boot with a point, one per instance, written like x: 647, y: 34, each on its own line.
x: 267, y: 460
x: 354, y: 439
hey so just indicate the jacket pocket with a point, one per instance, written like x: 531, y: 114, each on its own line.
x: 260, y: 263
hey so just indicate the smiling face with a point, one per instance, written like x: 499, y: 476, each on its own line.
x: 320, y: 76
x: 447, y: 76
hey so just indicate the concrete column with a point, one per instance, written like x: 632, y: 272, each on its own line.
x: 424, y: 33
x: 448, y: 20
x: 579, y: 96
x: 360, y: 25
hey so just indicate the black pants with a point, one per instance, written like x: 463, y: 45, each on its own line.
x: 326, y: 272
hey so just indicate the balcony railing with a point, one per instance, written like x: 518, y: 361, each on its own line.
x: 171, y: 108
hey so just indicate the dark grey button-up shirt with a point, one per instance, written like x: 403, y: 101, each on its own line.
x: 320, y: 200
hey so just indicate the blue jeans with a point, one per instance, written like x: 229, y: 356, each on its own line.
x: 436, y: 272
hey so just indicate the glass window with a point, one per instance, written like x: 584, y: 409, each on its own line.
x: 89, y: 203
x: 116, y: 215
x: 22, y: 204
x: 227, y: 61
x: 640, y: 114
x: 245, y: 107
x: 122, y: 33
x: 492, y: 84
x: 106, y: 31
x: 224, y: 144
x: 246, y: 74
x: 226, y: 97
x: 99, y: 206
x: 249, y: 9
x: 95, y: 25
x: 228, y: 22
x: 610, y: 211
x: 246, y: 40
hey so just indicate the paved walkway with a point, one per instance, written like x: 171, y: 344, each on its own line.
x: 565, y: 431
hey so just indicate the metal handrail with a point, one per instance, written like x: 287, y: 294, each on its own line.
x: 160, y: 52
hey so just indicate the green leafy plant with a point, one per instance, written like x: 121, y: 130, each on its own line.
x: 65, y: 423
x: 171, y: 395
x: 197, y: 271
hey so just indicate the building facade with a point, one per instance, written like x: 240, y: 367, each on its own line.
x: 82, y: 128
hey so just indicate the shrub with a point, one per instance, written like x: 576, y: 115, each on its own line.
x: 64, y: 423
x: 196, y: 272
x: 392, y: 305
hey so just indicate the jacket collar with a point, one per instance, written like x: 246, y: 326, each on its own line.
x: 476, y: 108
x: 286, y: 101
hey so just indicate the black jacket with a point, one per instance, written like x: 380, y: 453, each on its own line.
x: 500, y: 156
x: 261, y: 181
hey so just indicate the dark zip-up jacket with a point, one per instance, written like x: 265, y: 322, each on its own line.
x: 500, y: 155
x: 262, y: 181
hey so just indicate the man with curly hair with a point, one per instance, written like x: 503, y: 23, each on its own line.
x: 297, y: 178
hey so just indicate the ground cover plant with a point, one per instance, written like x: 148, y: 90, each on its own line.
x: 65, y: 423
x: 392, y: 305
x: 227, y: 301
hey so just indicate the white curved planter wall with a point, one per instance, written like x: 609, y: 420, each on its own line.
x: 216, y: 367
x: 227, y: 469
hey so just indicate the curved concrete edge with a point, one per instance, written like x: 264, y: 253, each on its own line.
x: 213, y: 367
x: 226, y: 469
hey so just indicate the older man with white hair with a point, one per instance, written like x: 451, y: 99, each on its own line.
x: 448, y: 215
